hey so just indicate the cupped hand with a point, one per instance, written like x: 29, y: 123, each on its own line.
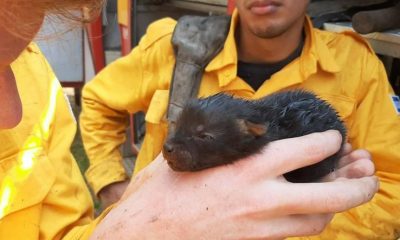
x: 249, y: 199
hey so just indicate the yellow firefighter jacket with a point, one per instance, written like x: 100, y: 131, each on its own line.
x: 341, y: 68
x: 42, y: 192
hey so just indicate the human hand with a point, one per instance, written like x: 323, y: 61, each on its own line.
x: 249, y: 199
x: 112, y: 193
x: 353, y: 164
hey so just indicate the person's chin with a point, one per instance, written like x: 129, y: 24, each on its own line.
x: 11, y: 122
x: 266, y: 32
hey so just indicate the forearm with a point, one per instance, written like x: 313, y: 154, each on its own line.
x: 103, y: 131
x: 107, y: 101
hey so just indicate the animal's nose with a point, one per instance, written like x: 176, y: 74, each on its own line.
x: 168, y: 148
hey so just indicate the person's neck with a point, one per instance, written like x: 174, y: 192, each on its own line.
x: 10, y: 102
x: 253, y: 49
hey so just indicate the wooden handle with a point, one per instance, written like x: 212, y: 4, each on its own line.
x: 377, y: 20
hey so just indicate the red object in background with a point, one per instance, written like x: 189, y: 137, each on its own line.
x: 126, y: 47
x: 95, y: 33
x: 126, y: 39
x: 231, y: 6
x: 126, y: 32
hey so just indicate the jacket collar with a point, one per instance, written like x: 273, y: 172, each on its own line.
x: 315, y: 53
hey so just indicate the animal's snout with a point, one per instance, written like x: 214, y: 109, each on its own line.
x: 176, y: 155
x: 169, y: 148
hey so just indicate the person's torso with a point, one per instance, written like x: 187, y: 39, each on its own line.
x: 336, y: 78
x: 36, y: 167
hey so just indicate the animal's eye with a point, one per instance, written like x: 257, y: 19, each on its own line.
x: 206, y: 136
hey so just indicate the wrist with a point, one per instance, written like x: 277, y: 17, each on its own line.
x: 128, y: 221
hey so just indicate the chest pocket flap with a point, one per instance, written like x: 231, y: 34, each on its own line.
x: 158, y: 107
x: 345, y: 106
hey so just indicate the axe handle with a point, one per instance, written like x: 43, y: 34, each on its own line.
x: 377, y: 20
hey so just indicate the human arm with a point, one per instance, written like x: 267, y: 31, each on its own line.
x: 247, y: 199
x: 105, y: 106
x: 125, y: 86
x: 376, y: 128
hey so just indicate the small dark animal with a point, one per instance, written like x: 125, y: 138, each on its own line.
x: 222, y: 129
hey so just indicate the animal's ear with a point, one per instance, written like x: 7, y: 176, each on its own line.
x: 255, y: 129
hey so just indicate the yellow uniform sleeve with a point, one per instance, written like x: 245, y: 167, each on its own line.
x: 125, y: 86
x: 376, y: 128
x: 105, y: 103
x: 84, y: 232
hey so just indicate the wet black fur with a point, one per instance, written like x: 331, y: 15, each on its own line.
x: 208, y: 133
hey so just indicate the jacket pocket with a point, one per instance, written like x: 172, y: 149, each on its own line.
x: 156, y: 129
x: 156, y: 112
x: 345, y: 107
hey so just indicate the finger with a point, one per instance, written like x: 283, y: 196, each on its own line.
x: 347, y: 148
x: 348, y: 168
x: 354, y: 156
x: 290, y: 154
x: 328, y: 197
x: 288, y: 226
x: 300, y: 225
x: 357, y: 169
